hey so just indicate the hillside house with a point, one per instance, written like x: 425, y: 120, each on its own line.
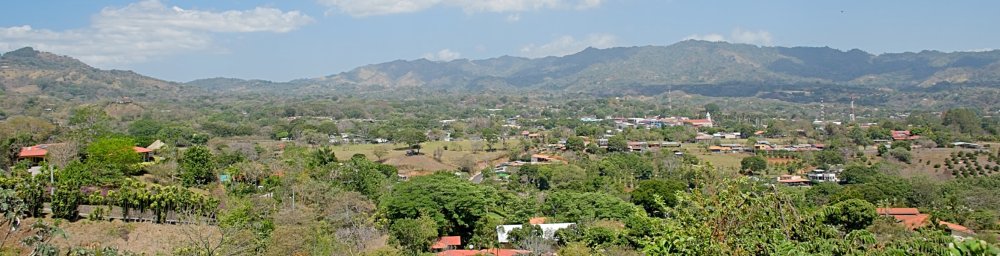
x: 820, y: 175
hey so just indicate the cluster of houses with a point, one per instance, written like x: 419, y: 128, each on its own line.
x: 452, y: 245
x: 655, y: 122
x: 764, y: 146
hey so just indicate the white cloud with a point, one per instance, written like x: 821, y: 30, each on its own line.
x: 708, y: 37
x: 739, y: 35
x: 361, y: 8
x: 514, y: 17
x: 759, y: 37
x: 566, y: 45
x: 443, y: 55
x: 147, y: 29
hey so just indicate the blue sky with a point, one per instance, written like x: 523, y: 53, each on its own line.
x: 282, y: 40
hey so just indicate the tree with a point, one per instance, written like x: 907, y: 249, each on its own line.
x: 145, y: 130
x: 529, y: 237
x: 196, y: 166
x: 491, y: 137
x: 617, y: 143
x: 583, y: 206
x: 901, y: 154
x: 415, y: 235
x: 966, y: 120
x: 713, y: 108
x: 857, y: 174
x: 380, y: 152
x: 852, y: 214
x: 828, y: 157
x: 114, y: 152
x: 62, y: 154
x: 438, y: 153
x: 901, y: 144
x: 753, y: 165
x: 322, y: 156
x: 454, y: 204
x: 574, y: 143
x: 366, y: 177
x: 412, y: 138
x: 654, y: 195
x: 65, y: 201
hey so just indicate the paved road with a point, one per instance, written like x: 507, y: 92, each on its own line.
x: 478, y: 178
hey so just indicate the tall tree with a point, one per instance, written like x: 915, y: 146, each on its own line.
x: 196, y: 166
x: 115, y: 152
x: 753, y: 165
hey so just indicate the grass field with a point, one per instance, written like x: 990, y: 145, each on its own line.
x: 725, y: 161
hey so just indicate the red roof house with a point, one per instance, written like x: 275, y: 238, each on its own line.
x: 447, y: 242
x: 36, y: 151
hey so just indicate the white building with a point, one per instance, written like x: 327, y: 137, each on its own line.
x: 548, y: 230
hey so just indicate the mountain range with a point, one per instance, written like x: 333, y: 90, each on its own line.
x: 688, y: 65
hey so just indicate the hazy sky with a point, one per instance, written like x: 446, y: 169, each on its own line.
x: 282, y: 40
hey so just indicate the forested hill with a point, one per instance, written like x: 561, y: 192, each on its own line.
x: 683, y: 63
x: 29, y: 72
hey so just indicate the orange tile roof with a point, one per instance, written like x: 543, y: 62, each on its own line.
x: 39, y: 150
x: 446, y: 241
x: 536, y: 220
x: 458, y: 253
x: 913, y: 221
x: 33, y: 151
x: 497, y: 252
x: 141, y: 150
